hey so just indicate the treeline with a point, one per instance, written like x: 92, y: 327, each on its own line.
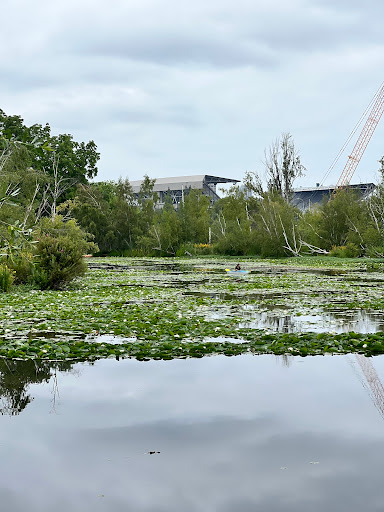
x: 51, y: 215
x: 267, y: 225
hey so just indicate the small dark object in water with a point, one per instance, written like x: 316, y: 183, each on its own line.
x: 151, y: 453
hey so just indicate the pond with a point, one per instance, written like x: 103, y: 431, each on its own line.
x: 171, y: 307
x: 241, y: 434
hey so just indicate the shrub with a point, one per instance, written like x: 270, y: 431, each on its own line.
x: 16, y: 249
x: 186, y: 249
x: 345, y: 251
x: 59, y: 252
x: 6, y: 278
x: 203, y: 249
x: 375, y: 251
x: 22, y: 266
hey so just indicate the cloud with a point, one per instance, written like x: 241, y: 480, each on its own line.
x: 194, y: 86
x: 215, y: 34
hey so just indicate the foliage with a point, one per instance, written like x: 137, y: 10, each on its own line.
x: 194, y: 217
x: 59, y: 253
x: 336, y: 222
x: 163, y: 237
x: 108, y: 211
x: 233, y: 225
x: 55, y: 159
x: 17, y: 246
x: 147, y: 200
x: 6, y: 278
x: 345, y: 251
x: 276, y: 222
x: 283, y: 166
x: 203, y: 249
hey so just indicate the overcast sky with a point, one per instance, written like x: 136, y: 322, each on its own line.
x: 170, y: 88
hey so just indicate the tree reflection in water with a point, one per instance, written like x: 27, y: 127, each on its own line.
x: 16, y: 376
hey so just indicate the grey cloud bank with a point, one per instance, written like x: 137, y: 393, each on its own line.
x: 170, y: 88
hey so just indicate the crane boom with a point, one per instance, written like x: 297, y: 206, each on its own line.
x: 375, y: 386
x: 363, y: 140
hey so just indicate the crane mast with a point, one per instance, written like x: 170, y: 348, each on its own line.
x: 363, y: 140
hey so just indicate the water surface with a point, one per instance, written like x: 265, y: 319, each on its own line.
x: 242, y: 434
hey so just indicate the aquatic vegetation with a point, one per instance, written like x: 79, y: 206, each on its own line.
x: 168, y: 308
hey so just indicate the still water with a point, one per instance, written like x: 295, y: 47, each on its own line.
x: 248, y: 433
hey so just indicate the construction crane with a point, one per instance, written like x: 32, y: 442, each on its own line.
x: 354, y: 158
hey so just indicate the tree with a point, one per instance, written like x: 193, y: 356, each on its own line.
x: 195, y: 217
x: 381, y: 170
x: 109, y: 211
x: 282, y: 165
x: 232, y: 224
x: 65, y: 161
x: 373, y: 231
x: 127, y: 219
x: 75, y: 160
x: 335, y: 223
x: 164, y: 234
x: 92, y: 208
x: 147, y: 200
x: 275, y: 226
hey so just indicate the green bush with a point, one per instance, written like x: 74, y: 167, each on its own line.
x: 185, y: 249
x: 203, y: 249
x: 6, y: 277
x: 22, y: 265
x: 375, y: 251
x: 231, y: 245
x: 59, y: 253
x: 345, y: 251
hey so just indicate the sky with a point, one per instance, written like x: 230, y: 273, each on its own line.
x: 168, y: 88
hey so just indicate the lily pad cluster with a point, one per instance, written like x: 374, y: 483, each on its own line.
x: 163, y: 309
x: 278, y: 344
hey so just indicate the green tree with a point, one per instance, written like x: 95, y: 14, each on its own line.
x: 147, y: 200
x: 275, y: 227
x: 164, y: 235
x: 335, y: 220
x: 195, y: 217
x: 282, y: 166
x: 128, y: 220
x: 232, y: 225
x: 65, y: 161
x: 92, y: 208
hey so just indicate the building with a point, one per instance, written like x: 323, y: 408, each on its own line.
x: 305, y: 197
x: 179, y: 186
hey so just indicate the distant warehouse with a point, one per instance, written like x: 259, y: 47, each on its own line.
x: 178, y: 187
x: 305, y: 198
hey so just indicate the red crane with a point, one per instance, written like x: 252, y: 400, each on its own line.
x: 363, y: 140
x: 376, y: 389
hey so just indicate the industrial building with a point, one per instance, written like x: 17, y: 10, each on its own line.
x: 306, y: 197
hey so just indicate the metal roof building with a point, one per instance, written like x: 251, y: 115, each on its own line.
x: 178, y: 186
x: 306, y: 197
